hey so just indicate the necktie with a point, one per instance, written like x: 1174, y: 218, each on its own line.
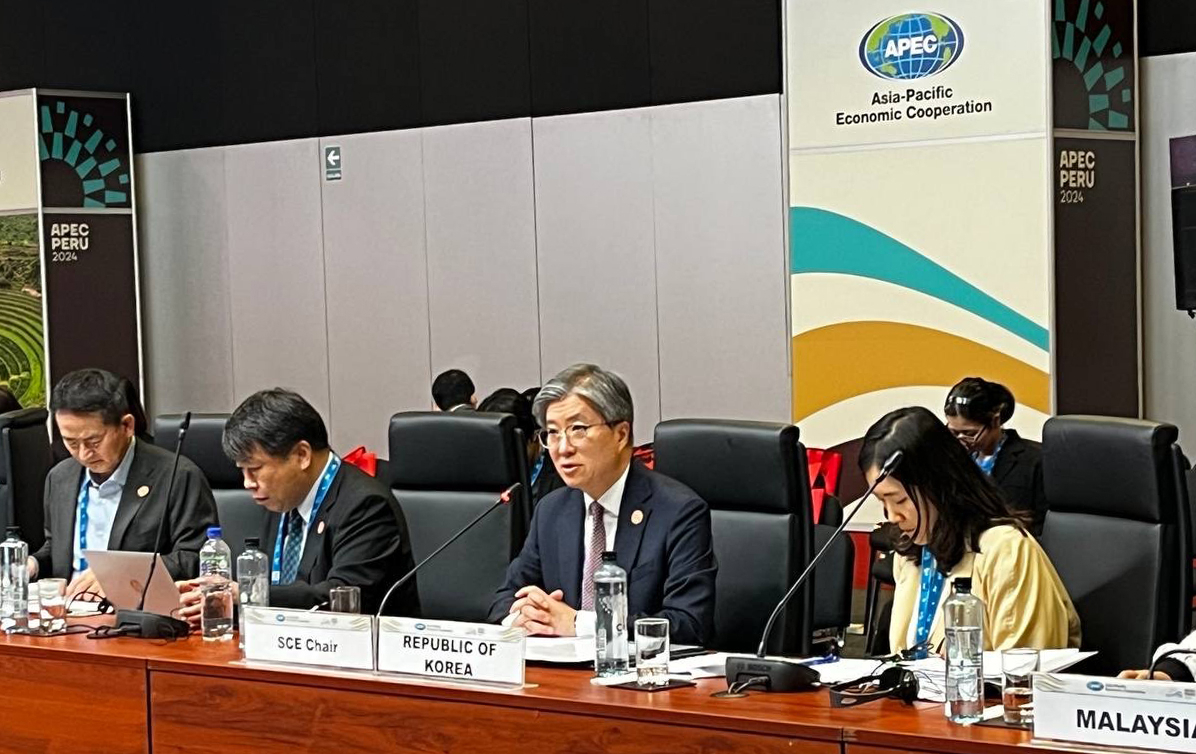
x: 291, y: 547
x: 594, y: 555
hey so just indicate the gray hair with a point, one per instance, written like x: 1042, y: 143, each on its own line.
x: 605, y: 391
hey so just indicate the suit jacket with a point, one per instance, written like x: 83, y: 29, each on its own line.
x: 1018, y: 473
x: 1026, y: 602
x: 192, y: 511
x: 668, y: 556
x: 359, y: 538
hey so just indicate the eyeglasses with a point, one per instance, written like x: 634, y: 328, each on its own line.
x: 90, y: 443
x: 575, y: 433
x: 968, y: 438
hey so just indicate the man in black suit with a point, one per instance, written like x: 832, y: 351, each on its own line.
x: 331, y: 524
x: 658, y: 528
x: 110, y: 493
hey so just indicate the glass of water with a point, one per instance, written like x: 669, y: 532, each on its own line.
x: 1017, y: 688
x: 53, y: 605
x: 652, y: 651
x: 344, y: 599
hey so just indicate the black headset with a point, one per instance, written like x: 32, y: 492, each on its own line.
x: 896, y: 682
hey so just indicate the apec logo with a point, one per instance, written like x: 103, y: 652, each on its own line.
x: 1096, y: 686
x: 911, y: 46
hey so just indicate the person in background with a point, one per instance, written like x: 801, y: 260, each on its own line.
x: 8, y: 401
x: 977, y: 411
x: 330, y: 523
x: 542, y: 474
x: 1179, y: 667
x: 954, y: 522
x: 111, y: 492
x: 658, y: 528
x: 140, y: 423
x: 454, y: 391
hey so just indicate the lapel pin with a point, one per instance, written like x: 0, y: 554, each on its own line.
x: 142, y: 491
x: 320, y: 528
x: 637, y: 517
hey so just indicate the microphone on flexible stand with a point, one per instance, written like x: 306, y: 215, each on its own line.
x: 139, y: 622
x: 504, y: 498
x: 783, y: 675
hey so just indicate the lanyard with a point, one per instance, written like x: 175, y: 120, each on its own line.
x: 537, y: 468
x: 987, y: 464
x: 334, y: 466
x: 928, y: 602
x: 84, y: 496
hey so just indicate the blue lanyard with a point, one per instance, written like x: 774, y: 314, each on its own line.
x: 987, y: 464
x: 537, y: 468
x: 334, y: 466
x: 84, y: 496
x: 928, y: 603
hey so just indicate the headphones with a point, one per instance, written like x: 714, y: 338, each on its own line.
x: 896, y: 682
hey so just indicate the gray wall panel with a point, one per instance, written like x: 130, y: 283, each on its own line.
x: 1169, y: 337
x: 377, y: 286
x: 184, y: 281
x: 721, y: 263
x: 277, y: 269
x: 481, y: 252
x: 594, y: 241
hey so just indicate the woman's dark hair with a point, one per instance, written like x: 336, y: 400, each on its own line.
x: 937, y: 471
x: 979, y: 400
x: 8, y: 401
x: 507, y: 400
x: 275, y: 421
x: 140, y: 423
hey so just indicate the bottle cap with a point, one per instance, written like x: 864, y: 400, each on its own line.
x: 608, y: 556
x: 254, y: 542
x: 12, y: 531
x: 964, y: 585
x: 214, y: 532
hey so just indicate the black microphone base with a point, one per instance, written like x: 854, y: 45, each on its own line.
x: 150, y: 625
x: 782, y: 675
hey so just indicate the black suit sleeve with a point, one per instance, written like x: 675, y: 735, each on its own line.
x: 192, y: 511
x: 525, y: 569
x: 365, y: 545
x: 45, y: 560
x: 688, y: 601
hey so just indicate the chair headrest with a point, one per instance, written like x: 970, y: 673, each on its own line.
x: 202, y: 446
x: 24, y: 417
x: 464, y: 451
x: 734, y: 465
x: 1108, y: 466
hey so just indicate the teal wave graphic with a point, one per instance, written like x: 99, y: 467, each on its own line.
x: 823, y: 241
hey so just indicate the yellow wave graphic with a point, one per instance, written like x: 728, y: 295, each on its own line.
x: 841, y: 361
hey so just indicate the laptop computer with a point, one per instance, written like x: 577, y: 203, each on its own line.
x: 122, y: 575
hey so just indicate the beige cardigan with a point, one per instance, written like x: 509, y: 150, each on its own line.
x: 1026, y: 604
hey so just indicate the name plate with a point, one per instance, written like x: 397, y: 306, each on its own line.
x: 330, y: 640
x: 1114, y: 712
x: 474, y: 652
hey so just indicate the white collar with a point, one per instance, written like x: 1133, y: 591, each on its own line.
x: 121, y: 474
x: 612, y: 499
x: 310, y: 501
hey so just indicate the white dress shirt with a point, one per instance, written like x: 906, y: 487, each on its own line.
x: 102, y: 501
x: 611, y: 501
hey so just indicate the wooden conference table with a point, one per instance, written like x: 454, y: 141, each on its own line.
x: 72, y: 694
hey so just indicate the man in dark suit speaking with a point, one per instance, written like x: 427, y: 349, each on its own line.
x: 330, y: 523
x: 110, y: 494
x: 658, y: 528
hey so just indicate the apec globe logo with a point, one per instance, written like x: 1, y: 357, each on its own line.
x: 911, y: 46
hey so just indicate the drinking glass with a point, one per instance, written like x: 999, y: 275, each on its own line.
x: 1017, y: 687
x: 344, y: 599
x: 53, y: 605
x: 652, y: 651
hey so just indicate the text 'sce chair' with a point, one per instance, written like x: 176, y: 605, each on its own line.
x: 446, y: 469
x: 1117, y: 530
x: 240, y: 517
x: 753, y: 476
x: 25, y: 459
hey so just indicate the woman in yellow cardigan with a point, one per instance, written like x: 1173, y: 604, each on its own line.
x: 954, y: 522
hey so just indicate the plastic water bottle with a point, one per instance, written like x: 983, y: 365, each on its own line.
x: 14, y: 582
x: 215, y: 571
x: 963, y: 613
x: 253, y: 579
x: 610, y: 603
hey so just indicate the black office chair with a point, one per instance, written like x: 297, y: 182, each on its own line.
x: 25, y: 459
x: 1118, y: 533
x: 832, y: 577
x: 753, y: 476
x: 445, y: 469
x: 240, y: 517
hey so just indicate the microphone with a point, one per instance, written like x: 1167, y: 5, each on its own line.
x: 504, y: 498
x: 783, y: 675
x: 151, y: 625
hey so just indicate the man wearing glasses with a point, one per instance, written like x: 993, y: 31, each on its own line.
x: 658, y: 527
x: 110, y: 494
